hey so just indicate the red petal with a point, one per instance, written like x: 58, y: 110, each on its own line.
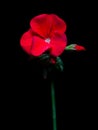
x: 59, y: 26
x: 79, y: 48
x: 41, y: 25
x: 39, y: 46
x: 58, y: 44
x: 26, y: 41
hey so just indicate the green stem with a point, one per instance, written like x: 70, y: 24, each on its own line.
x: 53, y: 106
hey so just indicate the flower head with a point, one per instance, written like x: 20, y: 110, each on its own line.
x: 46, y: 33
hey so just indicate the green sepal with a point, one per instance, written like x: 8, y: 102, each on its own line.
x: 59, y: 64
x: 70, y: 47
x: 44, y: 57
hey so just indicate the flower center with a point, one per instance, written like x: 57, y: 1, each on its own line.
x: 47, y: 40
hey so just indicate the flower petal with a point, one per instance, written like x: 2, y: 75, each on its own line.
x: 58, y: 44
x: 79, y: 48
x: 26, y: 41
x: 41, y: 25
x: 39, y: 46
x: 59, y: 26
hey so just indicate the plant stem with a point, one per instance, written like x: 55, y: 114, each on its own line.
x: 53, y: 106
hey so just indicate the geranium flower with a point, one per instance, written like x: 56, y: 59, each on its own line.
x: 46, y: 33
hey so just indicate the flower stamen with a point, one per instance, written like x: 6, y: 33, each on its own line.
x: 47, y: 40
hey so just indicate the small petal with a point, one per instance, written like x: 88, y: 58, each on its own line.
x: 79, y: 48
x: 26, y: 41
x: 58, y: 26
x: 39, y: 46
x: 41, y: 25
x: 58, y: 44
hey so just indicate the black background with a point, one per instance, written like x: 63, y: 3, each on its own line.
x: 30, y: 98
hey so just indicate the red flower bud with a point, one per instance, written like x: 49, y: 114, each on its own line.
x: 79, y: 48
x: 53, y: 61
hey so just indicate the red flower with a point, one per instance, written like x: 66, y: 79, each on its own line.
x: 46, y: 33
